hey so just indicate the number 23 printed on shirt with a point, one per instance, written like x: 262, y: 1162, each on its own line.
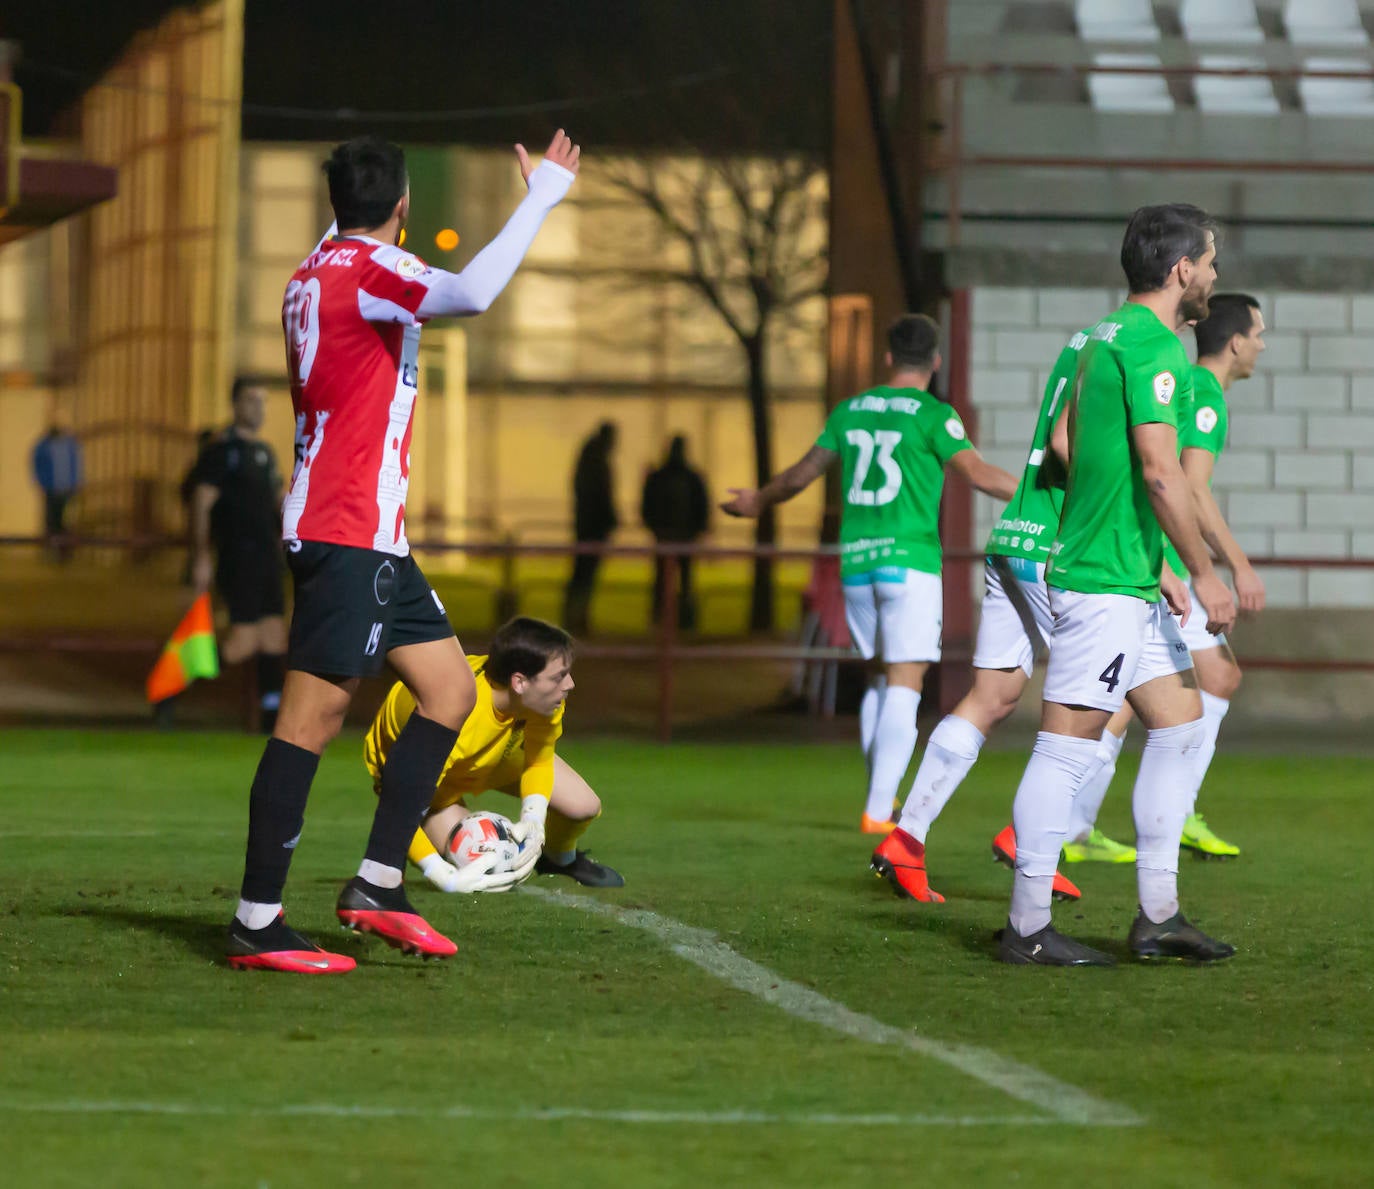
x: 880, y: 443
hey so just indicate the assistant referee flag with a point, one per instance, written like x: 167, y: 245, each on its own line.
x: 189, y: 654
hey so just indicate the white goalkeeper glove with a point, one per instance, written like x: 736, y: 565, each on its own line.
x: 499, y: 873
x: 529, y: 830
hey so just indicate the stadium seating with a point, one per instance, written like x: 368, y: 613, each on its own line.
x: 1240, y: 95
x: 1119, y: 92
x: 1116, y: 20
x: 1334, y: 23
x: 1220, y: 22
x: 1337, y: 96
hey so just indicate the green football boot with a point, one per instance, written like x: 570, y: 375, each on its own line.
x: 1198, y: 838
x: 1098, y: 848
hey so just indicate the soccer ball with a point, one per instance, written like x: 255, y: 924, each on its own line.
x: 480, y: 837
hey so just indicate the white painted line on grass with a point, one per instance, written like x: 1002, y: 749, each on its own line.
x: 702, y: 948
x: 330, y: 1110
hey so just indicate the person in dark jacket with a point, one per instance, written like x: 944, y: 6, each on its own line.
x: 594, y: 520
x: 676, y: 510
x: 57, y: 471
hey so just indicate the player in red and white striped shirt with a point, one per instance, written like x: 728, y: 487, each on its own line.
x: 352, y: 316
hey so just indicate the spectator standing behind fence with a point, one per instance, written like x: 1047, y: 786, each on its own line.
x: 594, y: 520
x: 236, y: 492
x: 57, y: 471
x: 675, y: 509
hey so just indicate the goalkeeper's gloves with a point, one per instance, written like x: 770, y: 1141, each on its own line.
x: 494, y: 873
x: 529, y: 830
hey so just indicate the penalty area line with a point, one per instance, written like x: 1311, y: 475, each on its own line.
x: 1068, y: 1104
x: 554, y: 1114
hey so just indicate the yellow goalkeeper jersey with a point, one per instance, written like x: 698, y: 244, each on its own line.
x: 492, y: 752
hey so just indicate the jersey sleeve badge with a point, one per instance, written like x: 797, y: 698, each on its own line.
x: 1165, y: 384
x: 1206, y: 419
x: 955, y: 428
x: 411, y: 267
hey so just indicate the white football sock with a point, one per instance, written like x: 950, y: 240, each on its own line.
x: 380, y: 875
x: 1163, y: 797
x: 254, y: 915
x: 1213, y: 711
x: 894, y: 739
x: 869, y: 707
x: 1040, y: 815
x: 1088, y: 804
x: 951, y: 751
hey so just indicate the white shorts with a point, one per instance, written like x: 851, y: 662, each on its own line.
x: 901, y: 609
x: 1105, y: 645
x: 1194, y: 632
x: 1015, y: 624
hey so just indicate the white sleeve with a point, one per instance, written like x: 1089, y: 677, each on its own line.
x: 477, y: 286
x: 333, y: 230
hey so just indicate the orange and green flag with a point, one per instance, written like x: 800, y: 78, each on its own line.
x: 189, y: 654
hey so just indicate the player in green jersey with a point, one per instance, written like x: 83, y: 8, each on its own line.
x: 1229, y: 341
x: 1014, y: 626
x: 893, y: 443
x: 1114, y: 638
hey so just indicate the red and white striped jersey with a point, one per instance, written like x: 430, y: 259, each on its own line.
x: 352, y: 349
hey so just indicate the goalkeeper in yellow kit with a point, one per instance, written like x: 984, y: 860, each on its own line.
x: 507, y: 745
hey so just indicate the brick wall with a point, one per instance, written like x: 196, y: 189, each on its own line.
x: 1297, y: 477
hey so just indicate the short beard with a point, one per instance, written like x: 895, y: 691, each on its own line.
x: 1193, y: 305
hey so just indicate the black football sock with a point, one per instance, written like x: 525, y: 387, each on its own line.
x: 271, y: 671
x: 276, y: 813
x: 408, y: 778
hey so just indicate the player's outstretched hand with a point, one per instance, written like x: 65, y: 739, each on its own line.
x: 1215, y: 598
x: 743, y: 501
x: 1250, y: 594
x: 1175, y: 592
x: 561, y: 151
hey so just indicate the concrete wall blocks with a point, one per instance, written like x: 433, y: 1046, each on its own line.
x: 1003, y: 388
x: 1326, y: 511
x: 1362, y: 313
x: 1073, y: 309
x: 1349, y: 433
x: 1265, y: 509
x: 1004, y: 307
x: 1281, y: 430
x: 1309, y: 311
x: 1328, y: 393
x: 1312, y: 470
x: 1284, y: 587
x: 1244, y: 468
x: 1362, y: 472
x: 1029, y: 347
x: 1282, y: 352
x: 1339, y: 353
x: 1010, y: 427
x: 1362, y: 394
x: 1312, y: 544
x: 1340, y: 588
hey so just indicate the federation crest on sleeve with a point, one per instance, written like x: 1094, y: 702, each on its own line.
x: 1206, y: 420
x: 955, y: 428
x: 411, y: 267
x: 1164, y: 387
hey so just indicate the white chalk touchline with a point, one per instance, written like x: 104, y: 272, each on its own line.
x: 1066, y: 1103
x: 329, y: 1110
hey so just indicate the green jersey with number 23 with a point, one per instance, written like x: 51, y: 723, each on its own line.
x: 893, y: 444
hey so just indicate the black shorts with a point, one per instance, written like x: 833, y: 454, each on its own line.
x: 353, y: 606
x: 251, y: 580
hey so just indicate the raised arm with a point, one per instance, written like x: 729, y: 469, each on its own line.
x: 751, y: 502
x: 477, y: 286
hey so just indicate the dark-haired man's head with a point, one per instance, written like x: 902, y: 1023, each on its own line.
x: 368, y: 185
x: 533, y: 659
x: 249, y: 399
x: 913, y: 344
x: 1232, y: 334
x: 1172, y: 246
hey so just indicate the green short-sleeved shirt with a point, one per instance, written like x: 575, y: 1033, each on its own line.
x: 1132, y: 372
x: 1202, y: 427
x: 893, y: 444
x: 1028, y: 524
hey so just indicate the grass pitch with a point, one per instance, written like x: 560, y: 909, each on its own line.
x: 570, y: 1048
